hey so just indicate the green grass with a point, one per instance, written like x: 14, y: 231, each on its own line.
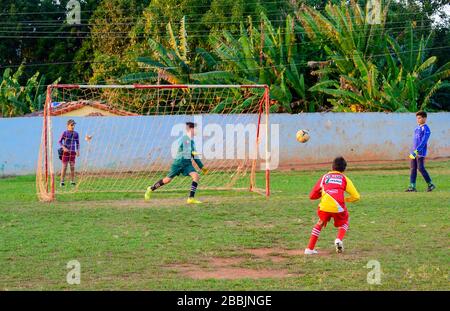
x: 123, y: 243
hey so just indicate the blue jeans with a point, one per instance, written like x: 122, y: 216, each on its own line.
x: 418, y: 162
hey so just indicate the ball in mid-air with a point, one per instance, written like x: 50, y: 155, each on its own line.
x: 302, y: 136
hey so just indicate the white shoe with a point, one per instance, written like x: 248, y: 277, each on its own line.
x: 339, y: 245
x: 310, y: 251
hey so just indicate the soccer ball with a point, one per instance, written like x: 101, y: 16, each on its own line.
x: 302, y: 136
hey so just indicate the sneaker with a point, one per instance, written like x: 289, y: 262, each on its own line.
x: 193, y: 201
x: 411, y: 189
x: 62, y: 184
x: 431, y: 187
x: 72, y: 183
x: 339, y: 246
x: 310, y: 251
x: 148, y: 194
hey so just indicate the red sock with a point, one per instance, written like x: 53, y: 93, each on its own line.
x: 314, y: 236
x: 341, y: 232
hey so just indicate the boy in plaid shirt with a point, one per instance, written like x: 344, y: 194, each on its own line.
x: 70, y: 143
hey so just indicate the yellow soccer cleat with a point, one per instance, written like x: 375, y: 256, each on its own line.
x: 148, y: 194
x: 193, y: 201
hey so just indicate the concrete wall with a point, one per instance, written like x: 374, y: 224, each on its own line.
x: 135, y: 141
x: 359, y: 136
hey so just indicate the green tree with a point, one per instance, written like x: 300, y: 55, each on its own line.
x: 369, y: 69
x: 168, y: 65
x: 36, y: 32
x: 263, y: 54
x: 105, y: 51
x: 17, y: 99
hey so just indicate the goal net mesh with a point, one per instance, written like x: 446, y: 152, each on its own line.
x: 128, y: 137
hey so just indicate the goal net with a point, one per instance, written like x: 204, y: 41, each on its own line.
x: 128, y: 137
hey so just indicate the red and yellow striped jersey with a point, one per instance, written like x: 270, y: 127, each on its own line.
x: 330, y: 188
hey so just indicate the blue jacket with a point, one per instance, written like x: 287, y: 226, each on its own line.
x: 421, y: 136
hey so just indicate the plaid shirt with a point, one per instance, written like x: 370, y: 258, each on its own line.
x: 70, y: 140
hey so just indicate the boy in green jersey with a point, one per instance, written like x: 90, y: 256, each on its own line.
x: 183, y: 165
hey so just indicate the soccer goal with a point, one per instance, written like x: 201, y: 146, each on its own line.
x: 128, y: 135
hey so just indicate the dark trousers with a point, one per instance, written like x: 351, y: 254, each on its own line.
x: 418, y: 162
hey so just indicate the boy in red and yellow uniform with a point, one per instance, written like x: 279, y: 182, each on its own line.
x: 330, y: 188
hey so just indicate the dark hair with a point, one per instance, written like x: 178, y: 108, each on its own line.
x: 339, y: 164
x: 421, y: 113
x: 71, y: 121
x: 190, y: 125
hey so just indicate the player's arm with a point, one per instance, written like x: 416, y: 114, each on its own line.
x: 316, y: 192
x: 77, y: 143
x: 351, y: 189
x: 194, y: 155
x: 199, y: 162
x: 201, y: 165
x: 61, y: 140
x: 197, y: 159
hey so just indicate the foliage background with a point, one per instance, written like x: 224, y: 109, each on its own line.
x: 193, y: 41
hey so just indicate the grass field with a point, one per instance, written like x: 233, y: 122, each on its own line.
x: 235, y: 241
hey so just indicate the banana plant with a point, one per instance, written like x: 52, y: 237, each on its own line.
x: 17, y: 99
x: 259, y: 55
x: 262, y: 55
x: 170, y: 64
x: 370, y: 69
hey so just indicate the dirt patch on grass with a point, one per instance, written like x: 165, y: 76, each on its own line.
x: 128, y: 203
x: 231, y: 267
x: 280, y: 254
x: 154, y: 203
x: 235, y: 273
x: 274, y: 254
x: 228, y: 268
x: 224, y: 262
x: 224, y: 268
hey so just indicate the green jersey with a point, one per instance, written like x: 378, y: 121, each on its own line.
x: 186, y: 151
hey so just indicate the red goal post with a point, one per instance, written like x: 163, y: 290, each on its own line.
x: 243, y: 104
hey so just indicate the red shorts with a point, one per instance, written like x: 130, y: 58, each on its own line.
x: 69, y: 157
x: 340, y: 219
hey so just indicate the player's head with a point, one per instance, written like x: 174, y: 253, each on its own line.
x: 339, y: 164
x: 421, y: 117
x: 71, y: 125
x: 190, y: 128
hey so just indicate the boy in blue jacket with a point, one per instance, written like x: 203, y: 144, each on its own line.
x: 418, y: 153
